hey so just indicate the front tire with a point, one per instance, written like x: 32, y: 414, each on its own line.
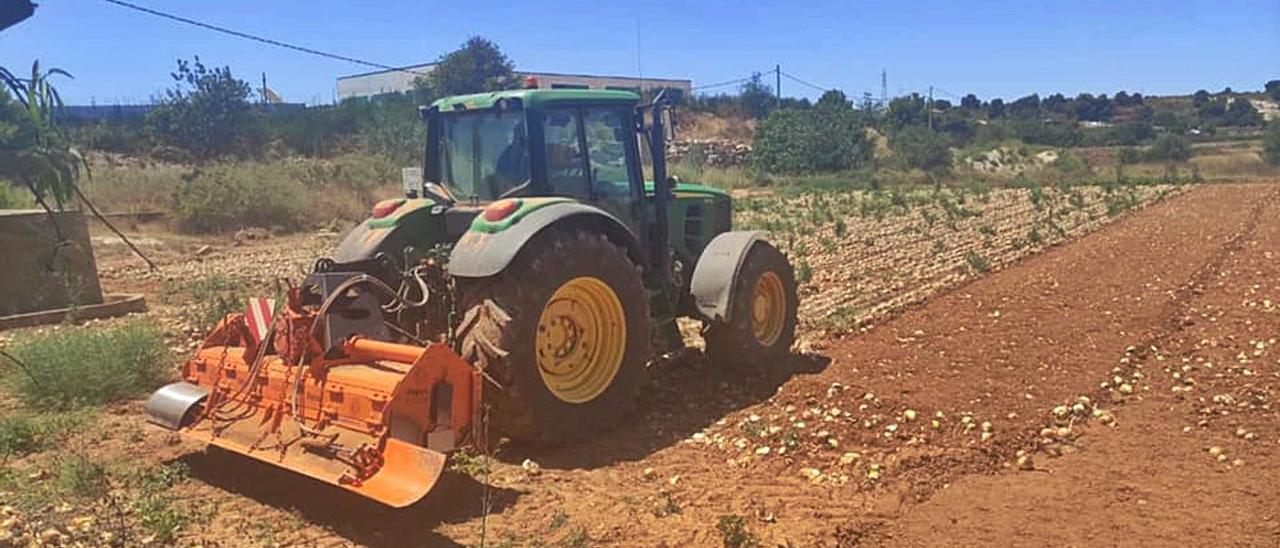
x: 762, y: 314
x: 577, y: 340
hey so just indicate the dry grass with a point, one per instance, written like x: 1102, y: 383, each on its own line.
x: 305, y: 192
x: 701, y: 126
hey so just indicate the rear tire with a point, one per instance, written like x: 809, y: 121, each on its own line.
x: 762, y: 314
x: 567, y: 374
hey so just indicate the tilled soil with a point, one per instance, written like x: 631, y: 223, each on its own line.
x: 1115, y: 390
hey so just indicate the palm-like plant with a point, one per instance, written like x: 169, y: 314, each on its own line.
x: 34, y: 152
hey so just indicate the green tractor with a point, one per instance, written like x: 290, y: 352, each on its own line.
x: 535, y: 202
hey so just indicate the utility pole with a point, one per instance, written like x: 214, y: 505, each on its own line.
x: 884, y: 88
x: 929, y: 107
x: 777, y: 80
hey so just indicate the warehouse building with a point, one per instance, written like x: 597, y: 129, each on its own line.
x: 369, y: 84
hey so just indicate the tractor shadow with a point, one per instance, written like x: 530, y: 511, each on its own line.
x: 681, y: 398
x: 455, y: 499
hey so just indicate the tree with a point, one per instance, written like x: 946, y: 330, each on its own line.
x: 1271, y: 145
x: 1169, y: 148
x: 476, y: 66
x: 1272, y: 88
x: 809, y: 141
x: 1170, y: 121
x: 995, y: 109
x: 834, y: 98
x: 1088, y: 107
x: 1025, y: 107
x: 920, y: 148
x: 1056, y: 103
x: 207, y: 113
x: 756, y: 97
x: 908, y: 111
x: 970, y: 102
x: 1200, y: 98
x: 941, y: 104
x: 1241, y: 112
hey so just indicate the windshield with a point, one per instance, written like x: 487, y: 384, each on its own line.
x: 483, y: 154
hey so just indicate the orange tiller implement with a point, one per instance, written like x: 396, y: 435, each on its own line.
x: 321, y: 395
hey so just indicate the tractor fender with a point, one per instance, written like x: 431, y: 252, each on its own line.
x: 716, y: 274
x: 480, y: 254
x: 406, y: 225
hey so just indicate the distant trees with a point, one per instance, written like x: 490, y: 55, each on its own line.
x: 995, y: 109
x: 970, y: 102
x: 1025, y: 107
x: 833, y: 98
x: 1094, y: 109
x: 908, y: 110
x: 207, y: 112
x: 1221, y: 111
x: 478, y: 65
x: 1056, y: 103
x: 756, y: 97
x: 1272, y: 89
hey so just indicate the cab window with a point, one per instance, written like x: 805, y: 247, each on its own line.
x: 566, y: 163
x: 607, y: 156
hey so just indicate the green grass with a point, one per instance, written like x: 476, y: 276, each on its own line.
x: 206, y: 301
x: 81, y: 477
x: 734, y: 533
x: 977, y: 261
x: 74, y: 367
x: 156, y: 507
x: 22, y: 433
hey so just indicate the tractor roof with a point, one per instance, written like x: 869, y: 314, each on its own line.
x: 533, y: 98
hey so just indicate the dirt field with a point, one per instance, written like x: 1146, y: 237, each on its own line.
x: 1118, y: 389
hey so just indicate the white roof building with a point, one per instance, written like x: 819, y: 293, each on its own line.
x: 369, y: 84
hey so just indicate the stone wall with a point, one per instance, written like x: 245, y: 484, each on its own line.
x: 38, y: 274
x: 712, y: 152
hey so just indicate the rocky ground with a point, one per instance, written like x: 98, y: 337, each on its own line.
x: 1117, y: 389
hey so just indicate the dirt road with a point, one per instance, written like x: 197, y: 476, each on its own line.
x: 1070, y: 399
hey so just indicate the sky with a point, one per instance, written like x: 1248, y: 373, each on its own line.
x: 993, y: 49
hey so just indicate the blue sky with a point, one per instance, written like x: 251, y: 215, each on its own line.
x: 1005, y: 48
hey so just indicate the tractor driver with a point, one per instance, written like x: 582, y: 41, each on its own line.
x: 512, y: 170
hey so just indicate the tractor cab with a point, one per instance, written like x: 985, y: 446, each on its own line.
x: 579, y: 144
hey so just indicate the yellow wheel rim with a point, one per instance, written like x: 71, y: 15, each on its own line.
x: 582, y: 336
x: 768, y: 308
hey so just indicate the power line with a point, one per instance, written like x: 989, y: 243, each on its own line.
x: 805, y: 83
x: 722, y: 84
x: 260, y: 39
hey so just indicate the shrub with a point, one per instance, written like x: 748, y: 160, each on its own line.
x: 1169, y: 148
x: 1271, y: 145
x: 922, y: 149
x: 734, y: 533
x: 1129, y: 156
x: 795, y: 141
x: 80, y: 366
x: 227, y: 197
